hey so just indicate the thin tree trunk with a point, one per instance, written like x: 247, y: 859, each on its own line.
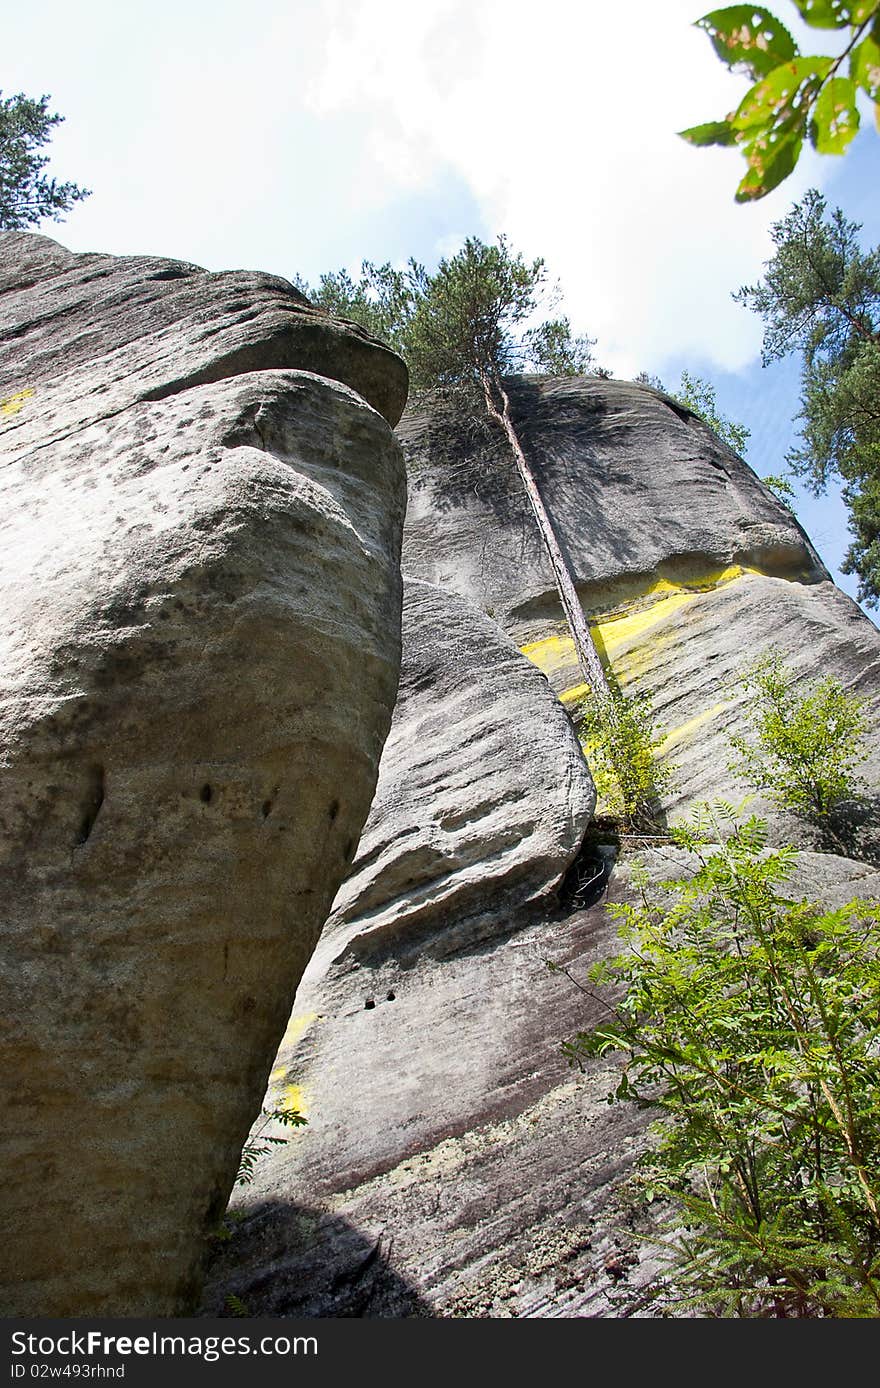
x: 588, y: 658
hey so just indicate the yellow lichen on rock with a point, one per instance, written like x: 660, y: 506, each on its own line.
x: 624, y: 627
x: 630, y: 640
x: 685, y: 731
x: 552, y: 654
x: 293, y: 1096
x: 13, y: 404
x: 577, y: 691
x: 296, y: 1029
x: 282, y: 1092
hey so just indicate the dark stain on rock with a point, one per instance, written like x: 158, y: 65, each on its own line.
x: 92, y: 802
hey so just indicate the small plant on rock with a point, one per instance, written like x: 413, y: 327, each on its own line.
x: 622, y: 745
x: 804, y: 748
x: 259, y: 1142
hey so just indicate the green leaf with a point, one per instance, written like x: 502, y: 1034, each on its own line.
x: 771, y: 102
x: 835, y: 117
x: 749, y: 37
x: 767, y: 170
x: 714, y: 132
x: 864, y: 66
x: 835, y: 14
x: 236, y: 1306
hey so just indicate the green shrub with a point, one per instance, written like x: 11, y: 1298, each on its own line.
x: 621, y: 745
x: 750, y: 1023
x: 804, y: 749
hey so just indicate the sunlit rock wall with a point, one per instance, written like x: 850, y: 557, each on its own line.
x: 199, y: 568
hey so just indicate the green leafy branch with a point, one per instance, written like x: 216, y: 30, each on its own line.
x: 260, y: 1142
x: 794, y: 96
x: 748, y: 1021
x: 803, y: 748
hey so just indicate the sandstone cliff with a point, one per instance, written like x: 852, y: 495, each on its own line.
x: 201, y: 516
x: 686, y: 565
x: 202, y: 601
x: 452, y: 1164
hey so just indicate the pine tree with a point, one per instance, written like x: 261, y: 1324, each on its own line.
x: 820, y: 296
x: 461, y: 331
x: 26, y: 195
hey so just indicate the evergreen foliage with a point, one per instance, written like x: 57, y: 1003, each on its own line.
x: 468, y: 330
x: 466, y: 318
x: 820, y: 297
x: 26, y: 195
x: 381, y: 299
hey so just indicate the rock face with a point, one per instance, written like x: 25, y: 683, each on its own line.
x: 414, y: 1015
x: 686, y: 565
x: 482, y: 803
x: 201, y: 636
x: 92, y: 334
x: 492, y: 817
x: 452, y: 1164
x: 519, y: 1206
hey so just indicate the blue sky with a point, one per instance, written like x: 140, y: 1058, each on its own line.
x: 297, y: 136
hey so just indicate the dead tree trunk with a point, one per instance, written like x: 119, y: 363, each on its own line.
x: 588, y: 658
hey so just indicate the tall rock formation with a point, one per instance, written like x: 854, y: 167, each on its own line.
x: 202, y: 503
x: 686, y: 565
x: 452, y: 1164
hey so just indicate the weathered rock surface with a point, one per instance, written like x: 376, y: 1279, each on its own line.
x: 90, y: 335
x: 482, y: 803
x: 200, y: 652
x: 413, y: 1007
x: 686, y: 565
x: 518, y: 1202
x: 637, y: 488
x: 452, y: 1164
x: 483, y: 794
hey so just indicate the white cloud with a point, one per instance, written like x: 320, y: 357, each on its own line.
x: 285, y: 134
x: 562, y: 118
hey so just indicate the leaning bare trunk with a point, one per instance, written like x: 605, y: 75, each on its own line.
x: 588, y: 659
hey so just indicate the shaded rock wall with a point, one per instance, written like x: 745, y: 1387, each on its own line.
x: 200, y: 585
x: 481, y: 1176
x: 427, y: 989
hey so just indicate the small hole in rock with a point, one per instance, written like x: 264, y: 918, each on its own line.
x: 371, y: 1002
x: 266, y: 809
x: 206, y: 794
x: 390, y: 996
x: 333, y: 811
